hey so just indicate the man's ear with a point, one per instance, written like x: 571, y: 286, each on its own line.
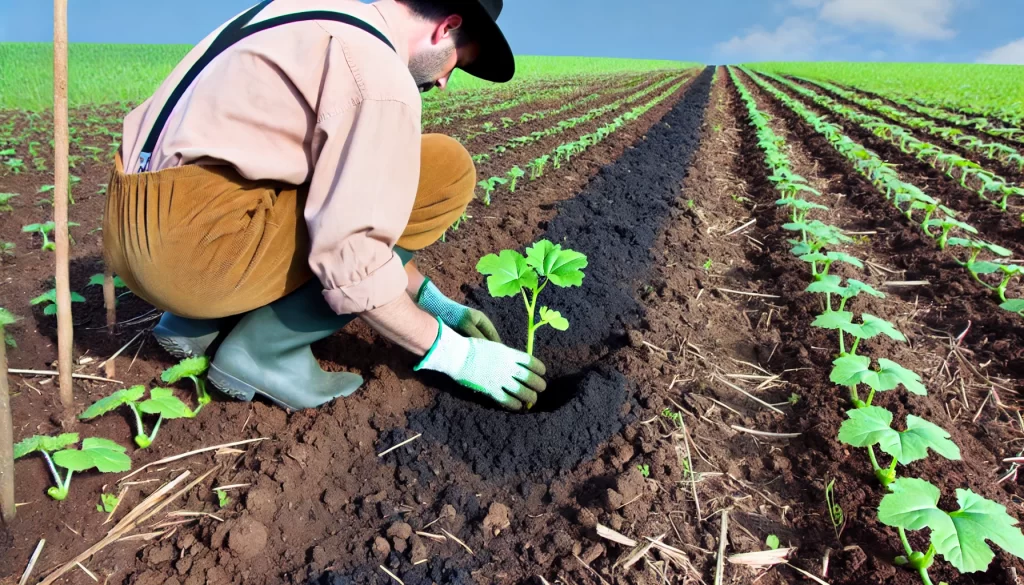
x: 446, y: 28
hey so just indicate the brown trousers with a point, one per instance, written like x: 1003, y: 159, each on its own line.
x: 203, y: 242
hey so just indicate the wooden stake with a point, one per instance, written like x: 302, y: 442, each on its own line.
x: 65, y: 329
x: 110, y: 301
x: 7, y: 508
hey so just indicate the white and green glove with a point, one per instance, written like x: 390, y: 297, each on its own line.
x: 508, y: 376
x: 467, y: 321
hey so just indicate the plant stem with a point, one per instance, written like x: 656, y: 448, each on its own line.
x: 854, y: 395
x: 853, y: 350
x: 156, y: 429
x: 874, y: 461
x: 906, y: 543
x: 842, y: 343
x: 138, y: 419
x: 871, y: 397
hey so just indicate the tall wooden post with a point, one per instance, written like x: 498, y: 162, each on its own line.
x: 7, y: 506
x: 65, y: 332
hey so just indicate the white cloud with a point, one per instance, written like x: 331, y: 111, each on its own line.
x: 806, y: 3
x: 1011, y: 53
x: 913, y: 19
x: 794, y: 39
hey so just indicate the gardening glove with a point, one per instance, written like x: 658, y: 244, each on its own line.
x: 508, y: 376
x: 467, y: 321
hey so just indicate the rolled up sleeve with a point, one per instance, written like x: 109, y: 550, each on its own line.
x: 360, y: 198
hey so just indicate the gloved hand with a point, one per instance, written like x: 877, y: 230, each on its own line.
x: 467, y: 321
x: 508, y: 376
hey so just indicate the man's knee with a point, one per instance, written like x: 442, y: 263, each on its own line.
x: 447, y: 172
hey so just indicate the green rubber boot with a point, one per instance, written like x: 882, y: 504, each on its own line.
x: 185, y: 338
x: 268, y: 353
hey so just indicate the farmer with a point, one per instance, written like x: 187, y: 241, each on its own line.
x: 280, y: 174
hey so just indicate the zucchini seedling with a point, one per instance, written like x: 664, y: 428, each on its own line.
x: 191, y: 368
x: 49, y: 301
x: 162, y: 402
x: 102, y: 454
x: 960, y: 536
x: 489, y: 186
x: 509, y: 274
x: 514, y: 174
x: 44, y: 230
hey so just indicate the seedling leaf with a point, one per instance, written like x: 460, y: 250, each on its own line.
x: 103, y: 454
x: 507, y: 273
x: 873, y: 326
x: 960, y: 537
x: 105, y: 405
x: 563, y: 268
x: 772, y: 541
x: 107, y: 503
x: 162, y: 401
x: 554, y: 319
x: 44, y: 443
x: 872, y: 425
x: 188, y: 367
x: 891, y: 375
x: 1014, y: 305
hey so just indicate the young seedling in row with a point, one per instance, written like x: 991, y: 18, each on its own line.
x: 872, y: 425
x: 162, y: 402
x: 831, y: 284
x: 537, y: 166
x: 7, y: 249
x: 507, y: 122
x: 49, y: 301
x: 947, y: 225
x: 191, y: 368
x: 514, y: 174
x: 854, y: 370
x: 16, y: 165
x: 223, y: 500
x: 800, y: 207
x: 827, y: 260
x: 5, y: 201
x: 44, y: 230
x: 835, y: 510
x: 108, y: 502
x: 489, y: 186
x: 815, y: 235
x: 509, y: 274
x: 479, y: 158
x: 871, y: 326
x: 489, y: 127
x: 102, y: 454
x: 976, y: 247
x: 960, y: 536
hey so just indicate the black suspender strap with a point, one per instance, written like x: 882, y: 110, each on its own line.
x: 234, y: 32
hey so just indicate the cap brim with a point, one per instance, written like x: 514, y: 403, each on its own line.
x: 495, y: 61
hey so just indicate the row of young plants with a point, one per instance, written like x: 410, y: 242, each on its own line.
x: 504, y: 123
x: 932, y: 216
x: 994, y: 150
x: 104, y: 455
x: 570, y: 123
x: 978, y: 123
x: 970, y: 174
x: 1007, y: 118
x: 563, y: 153
x: 910, y: 503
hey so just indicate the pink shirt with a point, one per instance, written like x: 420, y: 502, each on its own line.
x: 317, y: 102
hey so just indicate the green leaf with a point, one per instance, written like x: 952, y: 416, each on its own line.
x: 829, y: 284
x: 841, y: 257
x: 507, y: 273
x: 873, y: 327
x: 856, y: 369
x: 107, y: 503
x: 814, y: 257
x: 851, y: 370
x: 855, y: 287
x: 891, y: 375
x: 7, y: 318
x: 960, y: 536
x: 162, y: 401
x: 563, y: 268
x: 872, y: 425
x: 554, y: 319
x: 44, y: 443
x: 97, y: 280
x: 102, y: 454
x: 772, y: 541
x: 1014, y: 305
x: 105, y: 405
x: 193, y: 366
x: 49, y: 296
x: 837, y: 320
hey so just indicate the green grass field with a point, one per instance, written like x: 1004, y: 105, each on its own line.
x: 104, y: 73
x: 995, y: 87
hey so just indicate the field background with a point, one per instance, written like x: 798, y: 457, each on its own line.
x: 106, y: 73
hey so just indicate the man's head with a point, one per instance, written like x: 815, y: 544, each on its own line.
x: 445, y: 34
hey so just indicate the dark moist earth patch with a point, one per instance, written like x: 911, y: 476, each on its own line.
x: 615, y: 221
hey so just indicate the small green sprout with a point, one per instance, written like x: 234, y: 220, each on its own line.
x: 510, y: 274
x: 7, y: 319
x: 161, y: 402
x: 772, y: 542
x: 793, y: 399
x: 537, y: 166
x: 5, y: 201
x: 675, y: 417
x: 645, y: 470
x: 708, y: 265
x: 489, y: 186
x: 835, y: 510
x: 514, y: 174
x: 97, y: 280
x: 190, y: 368
x: 223, y: 500
x: 108, y: 502
x: 16, y: 165
x: 44, y: 230
x: 49, y: 301
x: 489, y: 127
x: 102, y: 454
x: 7, y: 249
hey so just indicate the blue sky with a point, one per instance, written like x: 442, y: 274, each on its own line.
x: 710, y: 32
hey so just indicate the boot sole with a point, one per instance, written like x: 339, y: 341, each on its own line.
x: 179, y: 347
x: 238, y: 389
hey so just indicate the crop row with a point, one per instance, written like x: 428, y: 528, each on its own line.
x: 996, y: 150
x: 931, y: 216
x: 563, y: 153
x: 911, y: 503
x: 983, y: 182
